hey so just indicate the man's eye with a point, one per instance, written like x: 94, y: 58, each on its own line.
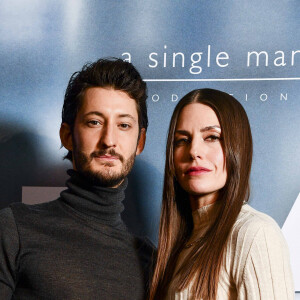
x: 124, y: 126
x: 93, y: 123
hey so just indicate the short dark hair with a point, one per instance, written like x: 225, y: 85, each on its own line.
x: 109, y: 72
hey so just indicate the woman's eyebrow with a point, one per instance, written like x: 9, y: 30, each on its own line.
x: 207, y: 128
x: 183, y: 132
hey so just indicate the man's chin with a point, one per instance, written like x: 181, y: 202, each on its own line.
x: 105, y: 164
x: 106, y: 180
x: 110, y: 174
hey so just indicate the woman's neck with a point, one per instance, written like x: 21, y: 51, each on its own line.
x: 198, y: 201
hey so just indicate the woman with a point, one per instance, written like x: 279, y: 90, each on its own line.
x: 212, y: 245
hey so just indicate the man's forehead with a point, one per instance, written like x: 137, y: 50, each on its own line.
x: 107, y: 100
x: 102, y: 115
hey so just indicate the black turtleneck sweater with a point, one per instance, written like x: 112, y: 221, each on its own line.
x: 75, y: 247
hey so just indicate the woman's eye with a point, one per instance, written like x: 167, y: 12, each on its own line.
x: 212, y: 138
x: 182, y: 141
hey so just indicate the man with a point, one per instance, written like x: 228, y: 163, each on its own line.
x: 77, y: 247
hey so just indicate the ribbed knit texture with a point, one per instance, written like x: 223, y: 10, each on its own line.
x: 72, y: 248
x: 256, y: 262
x: 103, y: 204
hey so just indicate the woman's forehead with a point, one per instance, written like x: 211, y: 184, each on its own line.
x: 197, y: 115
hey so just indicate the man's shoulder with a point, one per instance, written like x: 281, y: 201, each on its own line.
x: 144, y: 244
x: 8, y: 230
x: 5, y: 212
x: 34, y: 208
x: 147, y: 256
x: 22, y: 212
x: 145, y: 248
x: 6, y: 217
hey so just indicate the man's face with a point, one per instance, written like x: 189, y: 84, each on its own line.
x: 104, y: 140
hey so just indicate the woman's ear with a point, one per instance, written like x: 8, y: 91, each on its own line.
x: 141, y: 142
x: 66, y: 136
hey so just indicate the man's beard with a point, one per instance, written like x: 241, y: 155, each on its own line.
x: 105, y: 177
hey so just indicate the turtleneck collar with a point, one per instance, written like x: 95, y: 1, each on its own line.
x: 101, y: 203
x: 204, y: 217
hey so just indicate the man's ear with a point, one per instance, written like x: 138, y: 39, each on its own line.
x: 141, y: 142
x: 66, y: 136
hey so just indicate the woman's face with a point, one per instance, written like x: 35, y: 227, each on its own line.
x: 198, y: 154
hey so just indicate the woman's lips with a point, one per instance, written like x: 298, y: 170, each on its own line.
x: 197, y: 171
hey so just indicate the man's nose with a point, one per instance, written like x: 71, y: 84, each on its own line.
x: 108, y: 137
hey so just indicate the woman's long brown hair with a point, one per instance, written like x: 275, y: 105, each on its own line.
x: 202, y: 267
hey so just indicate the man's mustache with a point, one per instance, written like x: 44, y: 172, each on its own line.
x: 109, y: 152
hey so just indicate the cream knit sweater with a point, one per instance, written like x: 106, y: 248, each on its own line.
x: 256, y: 261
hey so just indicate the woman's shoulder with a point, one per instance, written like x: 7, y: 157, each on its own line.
x: 255, y: 230
x: 250, y: 222
x: 257, y: 250
x: 255, y: 239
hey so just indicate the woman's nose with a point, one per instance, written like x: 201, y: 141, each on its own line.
x: 196, y: 149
